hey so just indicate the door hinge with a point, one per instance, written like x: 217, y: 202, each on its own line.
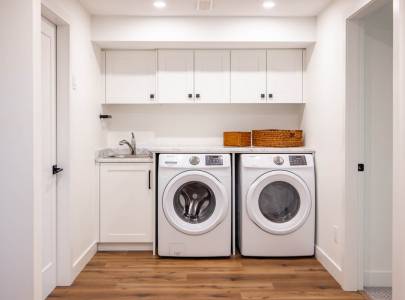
x: 360, y: 167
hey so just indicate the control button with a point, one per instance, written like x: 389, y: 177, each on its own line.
x: 214, y: 160
x: 194, y: 160
x: 278, y: 160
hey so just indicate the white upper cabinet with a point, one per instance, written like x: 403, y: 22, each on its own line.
x: 212, y: 76
x: 285, y: 75
x: 130, y: 76
x: 204, y: 76
x: 175, y: 76
x: 126, y: 203
x: 248, y: 76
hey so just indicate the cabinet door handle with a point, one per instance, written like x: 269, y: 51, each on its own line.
x: 263, y: 96
x: 190, y: 96
x: 270, y: 96
x: 149, y: 179
x: 152, y: 96
x: 197, y: 96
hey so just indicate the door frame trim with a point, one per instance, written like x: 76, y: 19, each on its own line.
x: 64, y: 274
x: 353, y: 247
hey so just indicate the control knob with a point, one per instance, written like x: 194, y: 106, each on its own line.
x: 278, y: 160
x: 194, y: 160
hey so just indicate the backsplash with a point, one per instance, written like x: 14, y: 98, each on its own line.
x: 189, y: 124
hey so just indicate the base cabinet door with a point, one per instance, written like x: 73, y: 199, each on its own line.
x: 126, y: 203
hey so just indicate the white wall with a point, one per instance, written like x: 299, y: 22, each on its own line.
x: 19, y: 123
x: 398, y: 266
x: 324, y: 123
x: 216, y: 31
x: 194, y: 124
x: 85, y: 134
x: 378, y: 81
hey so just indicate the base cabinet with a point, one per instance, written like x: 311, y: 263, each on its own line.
x: 126, y: 203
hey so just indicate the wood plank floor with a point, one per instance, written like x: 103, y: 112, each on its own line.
x: 139, y: 275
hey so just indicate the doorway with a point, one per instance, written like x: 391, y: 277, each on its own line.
x: 48, y: 163
x: 370, y: 144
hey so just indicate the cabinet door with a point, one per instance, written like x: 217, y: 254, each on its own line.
x: 130, y: 76
x: 285, y: 75
x: 175, y: 76
x: 126, y: 203
x: 212, y: 76
x: 248, y: 76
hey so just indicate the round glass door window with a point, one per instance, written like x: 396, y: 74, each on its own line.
x: 279, y: 202
x: 194, y: 202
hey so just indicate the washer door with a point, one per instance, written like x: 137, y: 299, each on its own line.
x: 279, y: 202
x: 195, y: 202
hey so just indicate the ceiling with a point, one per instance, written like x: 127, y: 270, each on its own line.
x: 220, y: 8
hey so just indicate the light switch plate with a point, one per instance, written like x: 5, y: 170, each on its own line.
x: 74, y: 83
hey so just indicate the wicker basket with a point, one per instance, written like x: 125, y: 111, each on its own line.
x: 277, y: 138
x: 237, y: 139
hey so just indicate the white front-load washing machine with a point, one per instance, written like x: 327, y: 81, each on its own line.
x: 194, y: 205
x: 276, y: 203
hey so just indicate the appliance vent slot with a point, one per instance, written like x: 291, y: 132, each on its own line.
x: 205, y: 5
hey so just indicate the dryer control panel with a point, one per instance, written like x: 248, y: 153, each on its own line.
x: 298, y: 160
x: 277, y: 161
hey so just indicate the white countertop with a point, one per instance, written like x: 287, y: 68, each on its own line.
x: 195, y: 149
x: 222, y: 149
x: 124, y: 160
x: 104, y: 156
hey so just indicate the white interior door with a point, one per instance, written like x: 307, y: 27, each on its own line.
x: 176, y: 76
x: 48, y: 40
x: 285, y: 75
x: 248, y: 76
x: 212, y: 76
x: 130, y: 76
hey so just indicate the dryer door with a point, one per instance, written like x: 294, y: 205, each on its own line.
x: 195, y: 202
x: 279, y: 202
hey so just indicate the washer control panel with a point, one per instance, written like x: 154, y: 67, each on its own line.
x: 194, y: 161
x: 298, y: 160
x: 214, y: 160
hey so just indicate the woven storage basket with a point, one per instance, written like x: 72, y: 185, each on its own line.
x: 277, y: 138
x: 237, y: 139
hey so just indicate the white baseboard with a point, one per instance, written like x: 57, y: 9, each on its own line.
x: 329, y: 264
x: 378, y: 278
x: 125, y: 247
x: 83, y: 259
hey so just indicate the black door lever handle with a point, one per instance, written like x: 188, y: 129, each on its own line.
x: 56, y: 170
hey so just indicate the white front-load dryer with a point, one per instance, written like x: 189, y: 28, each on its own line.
x: 276, y: 201
x: 194, y: 205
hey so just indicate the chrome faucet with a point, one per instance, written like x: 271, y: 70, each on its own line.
x: 132, y: 145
